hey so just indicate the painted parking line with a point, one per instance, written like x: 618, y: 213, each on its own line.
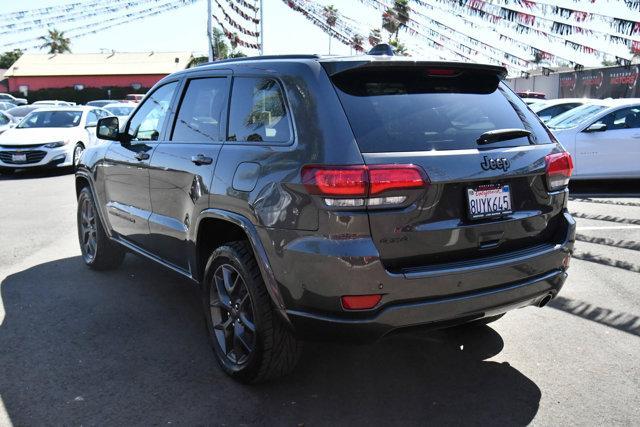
x: 611, y: 227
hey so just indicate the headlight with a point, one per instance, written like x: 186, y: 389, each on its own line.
x: 55, y: 144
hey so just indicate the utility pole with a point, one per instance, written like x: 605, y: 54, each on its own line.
x: 209, y: 28
x: 261, y: 27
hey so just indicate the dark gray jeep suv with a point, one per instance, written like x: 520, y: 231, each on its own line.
x: 332, y: 198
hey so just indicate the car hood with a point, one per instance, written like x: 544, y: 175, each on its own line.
x: 31, y: 136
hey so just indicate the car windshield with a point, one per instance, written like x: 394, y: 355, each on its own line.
x: 574, y: 117
x: 51, y: 119
x: 119, y: 111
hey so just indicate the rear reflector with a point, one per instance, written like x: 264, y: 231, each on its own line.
x: 559, y: 170
x: 360, y: 302
x: 361, y: 181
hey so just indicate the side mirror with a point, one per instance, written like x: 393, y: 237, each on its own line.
x: 108, y: 128
x: 596, y: 127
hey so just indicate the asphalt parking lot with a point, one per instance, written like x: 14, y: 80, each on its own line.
x: 129, y: 347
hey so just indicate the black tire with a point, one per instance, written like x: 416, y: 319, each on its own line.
x: 98, y: 251
x: 77, y: 151
x: 250, y: 355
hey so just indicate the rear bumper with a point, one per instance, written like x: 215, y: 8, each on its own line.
x: 433, y: 312
x: 313, y: 272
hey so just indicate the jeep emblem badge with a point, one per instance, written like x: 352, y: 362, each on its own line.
x: 492, y: 164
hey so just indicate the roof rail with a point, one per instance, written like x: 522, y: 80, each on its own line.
x: 260, y: 58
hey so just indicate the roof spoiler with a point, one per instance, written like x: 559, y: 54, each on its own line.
x: 333, y: 67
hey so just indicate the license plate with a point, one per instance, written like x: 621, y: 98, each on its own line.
x: 489, y: 200
x: 19, y: 157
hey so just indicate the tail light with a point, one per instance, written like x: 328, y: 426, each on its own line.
x: 357, y: 186
x: 559, y: 169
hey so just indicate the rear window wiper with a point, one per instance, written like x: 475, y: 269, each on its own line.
x: 498, y: 135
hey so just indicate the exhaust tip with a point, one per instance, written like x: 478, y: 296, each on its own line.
x: 544, y: 301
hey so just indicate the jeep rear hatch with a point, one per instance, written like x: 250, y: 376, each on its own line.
x: 481, y: 151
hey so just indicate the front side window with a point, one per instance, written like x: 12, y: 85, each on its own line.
x: 258, y: 112
x: 625, y: 118
x: 51, y: 119
x: 147, y: 123
x: 200, y: 113
x: 4, y: 119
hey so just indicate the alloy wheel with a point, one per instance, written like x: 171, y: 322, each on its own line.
x: 88, y: 229
x: 76, y: 154
x: 232, y: 315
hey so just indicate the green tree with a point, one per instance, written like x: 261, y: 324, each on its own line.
x: 8, y: 58
x: 220, y: 47
x: 395, y: 18
x: 331, y: 18
x: 56, y: 42
x: 399, y: 48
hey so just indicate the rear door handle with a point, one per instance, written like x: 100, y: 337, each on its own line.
x: 201, y: 160
x: 142, y: 156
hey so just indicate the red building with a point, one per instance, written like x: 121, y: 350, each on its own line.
x: 97, y: 70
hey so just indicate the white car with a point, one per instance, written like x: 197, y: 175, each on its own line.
x: 6, y: 122
x: 603, y: 137
x: 53, y: 103
x: 551, y: 108
x: 122, y: 110
x: 50, y: 137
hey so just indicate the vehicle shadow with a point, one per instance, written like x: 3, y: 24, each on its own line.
x: 35, y: 174
x: 129, y: 347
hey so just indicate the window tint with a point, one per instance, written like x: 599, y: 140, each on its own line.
x: 4, y: 119
x: 200, y: 112
x: 146, y: 124
x: 409, y: 109
x: 625, y: 118
x: 258, y: 112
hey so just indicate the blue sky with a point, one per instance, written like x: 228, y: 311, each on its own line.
x: 286, y: 31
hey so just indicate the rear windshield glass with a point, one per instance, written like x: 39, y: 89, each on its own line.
x: 418, y: 109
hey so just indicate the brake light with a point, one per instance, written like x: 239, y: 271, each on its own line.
x: 385, y: 178
x: 344, y: 181
x: 441, y: 72
x: 360, y: 302
x: 358, y: 183
x: 559, y: 170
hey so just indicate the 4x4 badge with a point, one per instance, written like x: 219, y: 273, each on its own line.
x: 489, y: 164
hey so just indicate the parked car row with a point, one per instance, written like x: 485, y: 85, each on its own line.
x: 602, y: 135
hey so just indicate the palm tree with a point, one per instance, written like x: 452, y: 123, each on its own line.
x: 221, y: 49
x: 390, y: 22
x: 399, y: 48
x: 331, y: 17
x: 395, y: 18
x: 374, y: 37
x: 56, y: 42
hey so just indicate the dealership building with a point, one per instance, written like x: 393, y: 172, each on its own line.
x: 34, y: 72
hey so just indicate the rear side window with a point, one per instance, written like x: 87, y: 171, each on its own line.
x: 258, y: 112
x: 200, y: 113
x: 418, y: 109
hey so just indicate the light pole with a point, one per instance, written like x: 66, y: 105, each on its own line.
x: 261, y: 27
x: 209, y: 25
